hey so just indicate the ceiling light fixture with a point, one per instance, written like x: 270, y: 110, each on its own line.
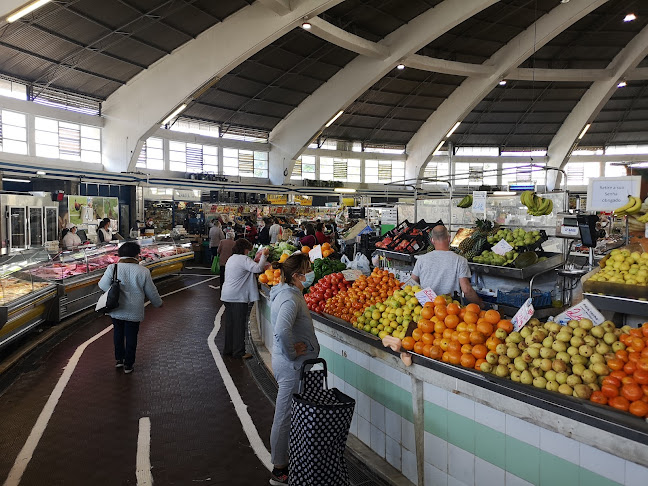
x: 307, y: 25
x: 564, y: 1
x: 10, y: 179
x: 587, y: 127
x: 504, y: 193
x: 436, y: 150
x: 630, y: 17
x: 400, y: 66
x: 26, y: 9
x: 452, y: 130
x: 41, y: 172
x: 332, y: 120
x: 622, y: 84
x: 345, y: 190
x: 502, y: 82
x: 177, y: 111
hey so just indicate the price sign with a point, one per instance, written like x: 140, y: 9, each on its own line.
x: 523, y: 315
x: 315, y: 253
x: 583, y: 310
x: 609, y: 193
x: 425, y: 295
x: 569, y: 230
x: 479, y: 202
x: 502, y: 247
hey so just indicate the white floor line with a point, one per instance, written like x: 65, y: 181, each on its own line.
x: 26, y: 453
x: 143, y: 471
x: 241, y: 409
x: 214, y: 287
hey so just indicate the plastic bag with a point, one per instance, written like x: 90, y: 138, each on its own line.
x: 346, y: 261
x: 216, y: 265
x: 360, y: 262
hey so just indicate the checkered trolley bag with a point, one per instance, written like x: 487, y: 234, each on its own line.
x: 321, y: 418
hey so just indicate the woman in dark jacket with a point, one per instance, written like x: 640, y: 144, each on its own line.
x: 309, y: 240
x: 264, y: 234
x: 319, y: 234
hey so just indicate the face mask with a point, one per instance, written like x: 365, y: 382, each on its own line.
x: 310, y: 278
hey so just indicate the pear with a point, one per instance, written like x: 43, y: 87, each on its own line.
x: 500, y: 334
x: 529, y: 340
x: 548, y: 341
x: 566, y: 389
x: 547, y: 353
x: 526, y: 377
x: 486, y: 367
x: 511, y: 368
x: 515, y: 375
x: 585, y: 351
x: 563, y: 356
x: 602, y: 348
x: 540, y: 382
x: 617, y: 345
x: 601, y: 369
x: 534, y: 322
x: 598, y: 332
x: 580, y: 332
x: 609, y: 338
x: 515, y: 337
x: 545, y: 364
x: 578, y: 359
x: 513, y: 352
x: 492, y: 357
x: 588, y: 376
x: 608, y: 326
x: 594, y: 386
x: 525, y: 332
x: 552, y: 385
x: 572, y: 350
x: 550, y: 375
x: 585, y: 324
x: 578, y: 369
x: 533, y: 352
x: 590, y: 341
x: 526, y: 356
x: 597, y: 358
x: 537, y: 372
x: 573, y: 380
x: 577, y: 341
x: 503, y: 360
x: 501, y: 348
x: 559, y: 366
x: 502, y: 371
x: 520, y: 364
x: 559, y: 345
x: 583, y: 391
x: 573, y: 324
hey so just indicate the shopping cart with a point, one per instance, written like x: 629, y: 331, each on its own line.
x: 321, y: 418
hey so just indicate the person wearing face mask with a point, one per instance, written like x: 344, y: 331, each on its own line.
x: 294, y: 342
x: 70, y: 239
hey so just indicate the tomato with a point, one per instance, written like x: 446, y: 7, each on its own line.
x: 630, y: 367
x: 599, y: 397
x: 620, y: 403
x: 615, y: 364
x: 632, y: 392
x: 638, y: 408
x: 611, y: 380
x: 610, y: 391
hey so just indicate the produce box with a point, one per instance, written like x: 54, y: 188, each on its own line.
x: 516, y: 298
x: 611, y: 288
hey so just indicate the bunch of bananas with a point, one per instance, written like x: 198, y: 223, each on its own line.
x: 536, y: 205
x: 466, y: 202
x: 632, y: 206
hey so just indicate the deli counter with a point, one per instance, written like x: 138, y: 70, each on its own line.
x: 37, y: 286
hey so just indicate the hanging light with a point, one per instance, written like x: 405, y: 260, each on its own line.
x: 630, y: 17
x: 502, y: 82
x: 400, y: 66
x: 622, y: 84
x: 587, y: 127
x: 175, y: 113
x: 306, y: 25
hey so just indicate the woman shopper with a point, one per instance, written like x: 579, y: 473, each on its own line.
x: 136, y: 287
x: 309, y: 240
x: 264, y: 234
x: 319, y: 234
x: 294, y: 342
x: 216, y: 235
x: 225, y: 248
x: 239, y: 289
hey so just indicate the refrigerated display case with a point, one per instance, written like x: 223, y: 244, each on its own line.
x: 78, y: 272
x: 25, y: 300
x: 28, y: 221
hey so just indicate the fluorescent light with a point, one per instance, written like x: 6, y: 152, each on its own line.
x: 8, y: 179
x: 438, y: 147
x: 400, y: 66
x: 638, y: 165
x: 177, y: 111
x: 27, y: 9
x: 41, y: 172
x: 307, y: 25
x: 332, y: 120
x: 622, y: 84
x: 564, y: 1
x: 504, y: 193
x: 630, y: 17
x: 452, y: 130
x: 587, y: 127
x: 345, y: 189
x: 502, y: 82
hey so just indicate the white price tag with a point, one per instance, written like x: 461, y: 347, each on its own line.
x: 646, y: 231
x: 583, y: 310
x: 425, y: 295
x: 315, y: 253
x: 569, y: 230
x: 479, y: 201
x: 523, y: 315
x: 502, y: 248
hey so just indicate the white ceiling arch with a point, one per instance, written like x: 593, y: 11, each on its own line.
x: 135, y: 111
x: 293, y: 133
x: 424, y: 143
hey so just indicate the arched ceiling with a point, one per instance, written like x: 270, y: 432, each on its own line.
x: 93, y: 47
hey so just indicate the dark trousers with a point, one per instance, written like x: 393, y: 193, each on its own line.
x: 214, y: 251
x: 222, y: 275
x: 125, y: 331
x: 235, y: 326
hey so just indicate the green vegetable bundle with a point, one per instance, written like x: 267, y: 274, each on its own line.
x: 325, y: 266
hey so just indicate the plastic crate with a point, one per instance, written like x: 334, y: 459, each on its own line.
x: 516, y: 298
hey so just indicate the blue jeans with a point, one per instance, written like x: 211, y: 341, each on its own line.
x: 125, y: 331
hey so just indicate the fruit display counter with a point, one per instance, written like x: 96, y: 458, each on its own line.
x: 439, y: 422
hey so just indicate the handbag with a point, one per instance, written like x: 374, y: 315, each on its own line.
x: 109, y: 300
x: 215, y: 269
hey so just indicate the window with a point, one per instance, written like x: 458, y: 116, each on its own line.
x: 152, y: 155
x: 193, y: 157
x: 483, y: 151
x: 13, y: 89
x: 13, y: 132
x: 475, y: 174
x: 384, y: 171
x: 579, y: 174
x: 245, y: 163
x: 304, y: 168
x: 612, y: 169
x: 192, y: 126
x: 436, y: 170
x: 626, y: 149
x: 512, y: 152
x: 384, y: 149
x: 68, y: 141
x: 245, y: 134
x: 341, y: 170
x: 523, y: 172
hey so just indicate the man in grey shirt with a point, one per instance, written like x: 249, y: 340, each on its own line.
x: 442, y: 270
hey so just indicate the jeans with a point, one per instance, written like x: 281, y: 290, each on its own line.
x: 222, y: 275
x: 235, y: 325
x: 125, y: 330
x: 288, y: 380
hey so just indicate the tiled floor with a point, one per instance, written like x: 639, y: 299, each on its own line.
x: 91, y: 439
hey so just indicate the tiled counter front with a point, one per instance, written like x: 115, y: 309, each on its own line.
x: 441, y: 430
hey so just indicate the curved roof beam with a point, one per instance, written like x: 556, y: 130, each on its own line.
x: 329, y: 32
x: 293, y: 133
x: 281, y: 7
x: 592, y: 102
x: 462, y: 101
x: 135, y: 111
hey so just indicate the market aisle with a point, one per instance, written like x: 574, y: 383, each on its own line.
x: 196, y: 437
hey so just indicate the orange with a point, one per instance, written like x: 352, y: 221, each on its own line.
x: 630, y: 367
x: 464, y: 337
x: 620, y: 374
x: 444, y: 344
x: 439, y: 300
x: 263, y: 278
x: 628, y: 380
x: 453, y: 309
x: 454, y: 346
x: 454, y: 357
x: 473, y: 308
x: 426, y: 326
x: 471, y: 327
x: 470, y: 317
x: 426, y: 350
x: 451, y: 321
x: 427, y: 338
x: 269, y: 273
x: 641, y: 377
x: 486, y: 328
x: 467, y: 360
x: 637, y: 343
x: 479, y: 351
x: 326, y: 246
x: 492, y: 316
x: 598, y: 397
x: 644, y: 330
x: 417, y: 334
x: 492, y: 342
x: 466, y: 349
x: 440, y: 311
x: 427, y: 313
x: 478, y: 363
x: 447, y: 334
x: 477, y: 337
x: 445, y: 357
x: 462, y: 313
x: 418, y: 347
x: 439, y: 327
x: 436, y: 352
x: 615, y: 364
x: 638, y: 408
x: 611, y: 380
x: 622, y: 354
x: 305, y: 249
x: 506, y: 325
x: 632, y: 392
x: 609, y: 390
x: 408, y: 343
x: 429, y: 304
x: 462, y: 326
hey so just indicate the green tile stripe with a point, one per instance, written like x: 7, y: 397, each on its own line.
x: 384, y: 392
x: 519, y: 458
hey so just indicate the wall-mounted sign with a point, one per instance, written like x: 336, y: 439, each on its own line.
x: 609, y: 193
x: 304, y: 200
x: 277, y: 198
x: 187, y: 195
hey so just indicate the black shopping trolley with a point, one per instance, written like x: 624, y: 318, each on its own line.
x: 321, y: 418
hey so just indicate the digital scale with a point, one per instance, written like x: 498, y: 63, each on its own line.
x: 567, y: 226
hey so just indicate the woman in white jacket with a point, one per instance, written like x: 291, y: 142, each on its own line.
x: 71, y: 239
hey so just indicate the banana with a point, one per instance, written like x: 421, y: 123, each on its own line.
x: 626, y: 206
x: 526, y: 198
x: 550, y: 207
x: 466, y: 202
x: 636, y: 207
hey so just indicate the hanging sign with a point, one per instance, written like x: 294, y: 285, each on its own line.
x: 304, y: 200
x: 523, y: 315
x: 479, y: 201
x: 610, y: 193
x: 277, y: 198
x: 315, y: 253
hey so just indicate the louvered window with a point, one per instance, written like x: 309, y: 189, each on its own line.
x: 304, y: 168
x: 297, y: 170
x: 13, y: 132
x: 245, y: 163
x: 475, y: 174
x: 152, y: 155
x: 193, y: 158
x: 340, y: 170
x: 384, y: 171
x: 579, y: 174
x: 67, y: 101
x: 244, y: 134
x: 436, y: 170
x: 68, y: 141
x: 512, y: 173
